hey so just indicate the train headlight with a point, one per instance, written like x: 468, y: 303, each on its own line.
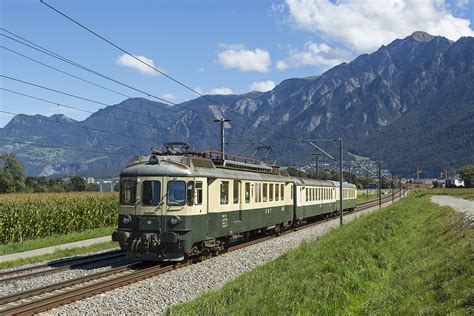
x: 153, y: 160
x: 174, y: 220
x: 126, y: 219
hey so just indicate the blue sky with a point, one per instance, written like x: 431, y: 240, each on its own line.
x: 213, y: 46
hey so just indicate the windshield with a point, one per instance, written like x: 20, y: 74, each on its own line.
x: 128, y: 192
x: 176, y: 193
x: 151, y: 191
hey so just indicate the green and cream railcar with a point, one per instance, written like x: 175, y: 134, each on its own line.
x: 180, y: 205
x: 314, y: 197
x: 349, y: 195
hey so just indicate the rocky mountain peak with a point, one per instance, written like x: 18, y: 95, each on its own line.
x: 421, y: 36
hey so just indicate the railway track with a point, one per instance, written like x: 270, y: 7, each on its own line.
x: 45, y: 298
x: 57, y: 266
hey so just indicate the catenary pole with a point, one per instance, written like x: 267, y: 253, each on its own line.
x: 222, y: 122
x: 380, y: 186
x: 341, y: 179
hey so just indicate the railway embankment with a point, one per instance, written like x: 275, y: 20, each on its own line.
x: 412, y: 257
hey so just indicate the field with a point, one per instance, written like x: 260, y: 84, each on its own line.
x: 33, y: 216
x: 411, y: 258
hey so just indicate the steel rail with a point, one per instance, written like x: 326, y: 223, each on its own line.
x: 75, y: 262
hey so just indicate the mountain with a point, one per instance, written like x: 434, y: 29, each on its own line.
x: 409, y: 104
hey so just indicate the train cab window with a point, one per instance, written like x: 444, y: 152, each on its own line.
x: 151, y: 193
x: 277, y: 192
x: 128, y: 192
x: 198, y: 192
x: 270, y: 194
x: 282, y: 191
x: 236, y: 191
x: 190, y: 193
x: 176, y: 193
x: 247, y: 192
x: 224, y: 192
x: 265, y: 192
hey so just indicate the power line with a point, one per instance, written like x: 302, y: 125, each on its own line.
x: 82, y: 98
x: 141, y: 61
x: 72, y: 107
x: 61, y: 147
x: 50, y: 53
x: 83, y: 127
x: 63, y: 72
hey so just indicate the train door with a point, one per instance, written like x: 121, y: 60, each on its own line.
x: 201, y: 205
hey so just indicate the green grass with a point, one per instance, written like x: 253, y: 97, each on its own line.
x: 411, y: 258
x: 54, y: 240
x: 364, y: 197
x: 60, y: 254
x: 462, y: 193
x: 359, y: 158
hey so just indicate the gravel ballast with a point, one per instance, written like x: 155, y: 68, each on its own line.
x: 154, y: 295
x: 460, y: 205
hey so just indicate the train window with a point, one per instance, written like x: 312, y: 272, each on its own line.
x: 198, y: 192
x: 151, y: 192
x: 307, y: 194
x: 270, y: 194
x: 176, y: 193
x: 257, y: 192
x: 265, y: 192
x: 282, y: 191
x: 314, y: 194
x: 277, y: 192
x: 224, y: 192
x: 128, y: 192
x: 247, y: 192
x: 190, y: 193
x: 236, y: 191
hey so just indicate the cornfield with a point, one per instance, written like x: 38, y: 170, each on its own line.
x: 31, y: 216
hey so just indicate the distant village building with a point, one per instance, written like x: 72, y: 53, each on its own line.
x: 90, y: 180
x: 452, y: 183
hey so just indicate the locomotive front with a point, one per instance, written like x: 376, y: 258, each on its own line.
x: 160, y: 208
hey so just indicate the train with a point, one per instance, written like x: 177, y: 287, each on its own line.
x: 177, y: 203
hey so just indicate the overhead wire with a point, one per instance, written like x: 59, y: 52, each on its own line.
x: 72, y: 107
x: 83, y: 98
x: 79, y: 126
x: 141, y: 61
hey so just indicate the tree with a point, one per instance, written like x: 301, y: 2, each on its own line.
x: 467, y: 174
x: 77, y: 184
x: 12, y: 174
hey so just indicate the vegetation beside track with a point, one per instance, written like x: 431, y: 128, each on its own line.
x: 33, y: 216
x: 413, y: 257
x: 54, y: 240
x: 465, y: 193
x: 60, y: 254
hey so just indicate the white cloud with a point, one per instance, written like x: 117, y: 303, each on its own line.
x: 130, y: 62
x: 314, y: 54
x: 366, y: 25
x: 262, y: 86
x: 169, y: 96
x: 245, y: 60
x: 221, y: 90
x: 236, y: 46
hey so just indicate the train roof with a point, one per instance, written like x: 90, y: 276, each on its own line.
x: 315, y: 182
x: 186, y: 166
x: 344, y: 184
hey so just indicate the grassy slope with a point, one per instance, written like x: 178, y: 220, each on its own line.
x: 413, y: 257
